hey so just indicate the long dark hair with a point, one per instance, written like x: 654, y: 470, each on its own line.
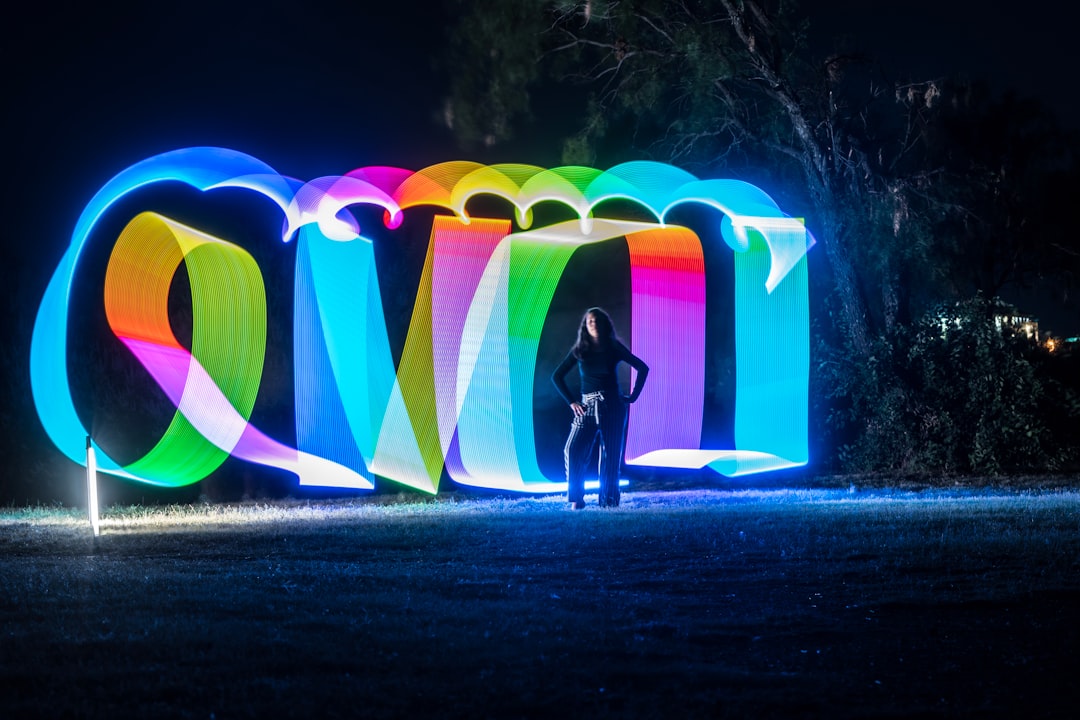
x: 604, y: 327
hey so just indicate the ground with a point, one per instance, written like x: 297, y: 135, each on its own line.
x: 689, y: 603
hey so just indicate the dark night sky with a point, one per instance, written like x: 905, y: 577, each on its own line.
x: 321, y: 88
x: 1027, y: 47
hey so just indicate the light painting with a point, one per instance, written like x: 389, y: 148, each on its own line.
x: 459, y: 401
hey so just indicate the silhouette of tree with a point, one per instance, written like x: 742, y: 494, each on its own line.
x: 722, y: 84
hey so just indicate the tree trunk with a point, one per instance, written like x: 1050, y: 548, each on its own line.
x: 854, y: 317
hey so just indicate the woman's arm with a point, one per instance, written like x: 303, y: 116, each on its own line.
x: 559, y: 378
x: 639, y: 365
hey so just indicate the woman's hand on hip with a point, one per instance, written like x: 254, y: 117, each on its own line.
x: 578, y: 409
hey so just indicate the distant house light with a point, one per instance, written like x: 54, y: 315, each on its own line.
x: 1005, y: 316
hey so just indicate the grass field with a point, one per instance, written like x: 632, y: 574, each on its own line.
x: 692, y: 603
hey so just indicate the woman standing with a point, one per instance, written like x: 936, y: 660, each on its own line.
x: 601, y: 412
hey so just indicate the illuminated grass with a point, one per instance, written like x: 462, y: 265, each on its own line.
x: 779, y: 603
x: 285, y: 513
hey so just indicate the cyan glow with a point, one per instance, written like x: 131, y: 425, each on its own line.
x: 459, y: 400
x: 202, y: 168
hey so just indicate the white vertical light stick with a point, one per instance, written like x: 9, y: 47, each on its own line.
x: 91, y: 487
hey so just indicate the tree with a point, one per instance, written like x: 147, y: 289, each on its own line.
x: 1003, y: 212
x: 917, y: 193
x: 722, y: 84
x: 977, y: 396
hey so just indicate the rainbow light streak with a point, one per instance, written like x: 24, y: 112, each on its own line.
x: 460, y: 400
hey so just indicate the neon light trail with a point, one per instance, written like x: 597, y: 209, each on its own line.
x: 460, y: 398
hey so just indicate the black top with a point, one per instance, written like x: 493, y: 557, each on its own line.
x: 597, y: 370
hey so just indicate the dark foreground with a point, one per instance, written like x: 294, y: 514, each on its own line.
x: 690, y: 604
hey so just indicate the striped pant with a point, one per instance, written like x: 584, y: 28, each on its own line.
x: 604, y: 421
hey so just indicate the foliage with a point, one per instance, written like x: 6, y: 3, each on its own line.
x: 954, y: 393
x: 918, y: 193
x: 726, y: 85
x: 493, y: 67
x: 1001, y: 213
